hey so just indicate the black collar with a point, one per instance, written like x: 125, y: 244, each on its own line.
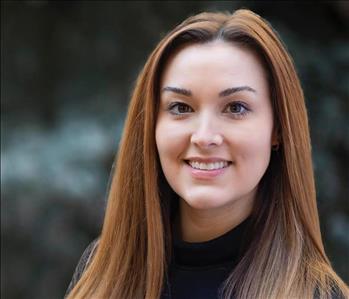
x: 225, y: 249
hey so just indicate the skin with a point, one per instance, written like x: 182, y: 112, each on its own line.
x: 237, y: 127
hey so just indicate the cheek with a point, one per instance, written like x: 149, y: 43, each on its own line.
x: 170, y: 140
x: 254, y: 152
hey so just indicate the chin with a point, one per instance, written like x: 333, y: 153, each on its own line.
x: 203, y: 203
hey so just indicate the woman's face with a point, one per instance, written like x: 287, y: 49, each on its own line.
x: 214, y: 126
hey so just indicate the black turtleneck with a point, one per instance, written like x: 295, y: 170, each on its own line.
x: 198, y: 270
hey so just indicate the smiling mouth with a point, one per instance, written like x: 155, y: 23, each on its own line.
x: 208, y: 166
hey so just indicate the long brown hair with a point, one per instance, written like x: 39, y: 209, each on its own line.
x: 134, y: 247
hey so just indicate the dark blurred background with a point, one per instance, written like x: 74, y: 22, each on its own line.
x: 67, y: 72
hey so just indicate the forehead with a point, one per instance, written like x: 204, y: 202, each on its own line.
x: 217, y: 63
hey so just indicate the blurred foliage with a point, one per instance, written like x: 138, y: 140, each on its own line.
x: 67, y: 72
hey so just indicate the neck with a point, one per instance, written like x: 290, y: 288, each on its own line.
x: 199, y: 225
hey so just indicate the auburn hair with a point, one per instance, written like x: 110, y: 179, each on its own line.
x: 286, y: 257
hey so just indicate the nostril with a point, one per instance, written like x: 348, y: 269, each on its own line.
x: 207, y: 140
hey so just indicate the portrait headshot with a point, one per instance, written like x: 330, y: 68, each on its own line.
x: 224, y: 157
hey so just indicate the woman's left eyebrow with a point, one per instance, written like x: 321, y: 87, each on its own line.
x: 224, y: 93
x: 232, y: 90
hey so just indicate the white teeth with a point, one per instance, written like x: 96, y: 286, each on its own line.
x: 208, y: 166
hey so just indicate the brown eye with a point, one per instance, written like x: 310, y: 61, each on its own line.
x: 179, y: 108
x: 237, y: 109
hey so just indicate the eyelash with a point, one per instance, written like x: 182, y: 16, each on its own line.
x: 174, y: 105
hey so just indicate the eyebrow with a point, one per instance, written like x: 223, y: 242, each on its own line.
x: 224, y: 93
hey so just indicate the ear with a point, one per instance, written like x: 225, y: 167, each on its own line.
x: 275, y: 140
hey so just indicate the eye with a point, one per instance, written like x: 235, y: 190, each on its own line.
x: 237, y: 109
x: 179, y: 108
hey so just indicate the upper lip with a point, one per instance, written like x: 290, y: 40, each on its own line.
x: 207, y: 160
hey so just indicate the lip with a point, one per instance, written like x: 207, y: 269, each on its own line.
x: 207, y: 160
x: 206, y: 174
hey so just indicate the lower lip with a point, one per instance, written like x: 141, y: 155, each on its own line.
x: 206, y: 174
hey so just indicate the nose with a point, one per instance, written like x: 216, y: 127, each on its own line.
x: 206, y: 135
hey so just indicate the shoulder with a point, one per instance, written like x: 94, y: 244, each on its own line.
x: 336, y: 293
x: 82, y: 264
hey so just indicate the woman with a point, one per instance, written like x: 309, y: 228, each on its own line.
x: 213, y: 193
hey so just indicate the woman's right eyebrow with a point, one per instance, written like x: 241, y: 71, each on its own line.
x: 178, y: 90
x: 224, y: 93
